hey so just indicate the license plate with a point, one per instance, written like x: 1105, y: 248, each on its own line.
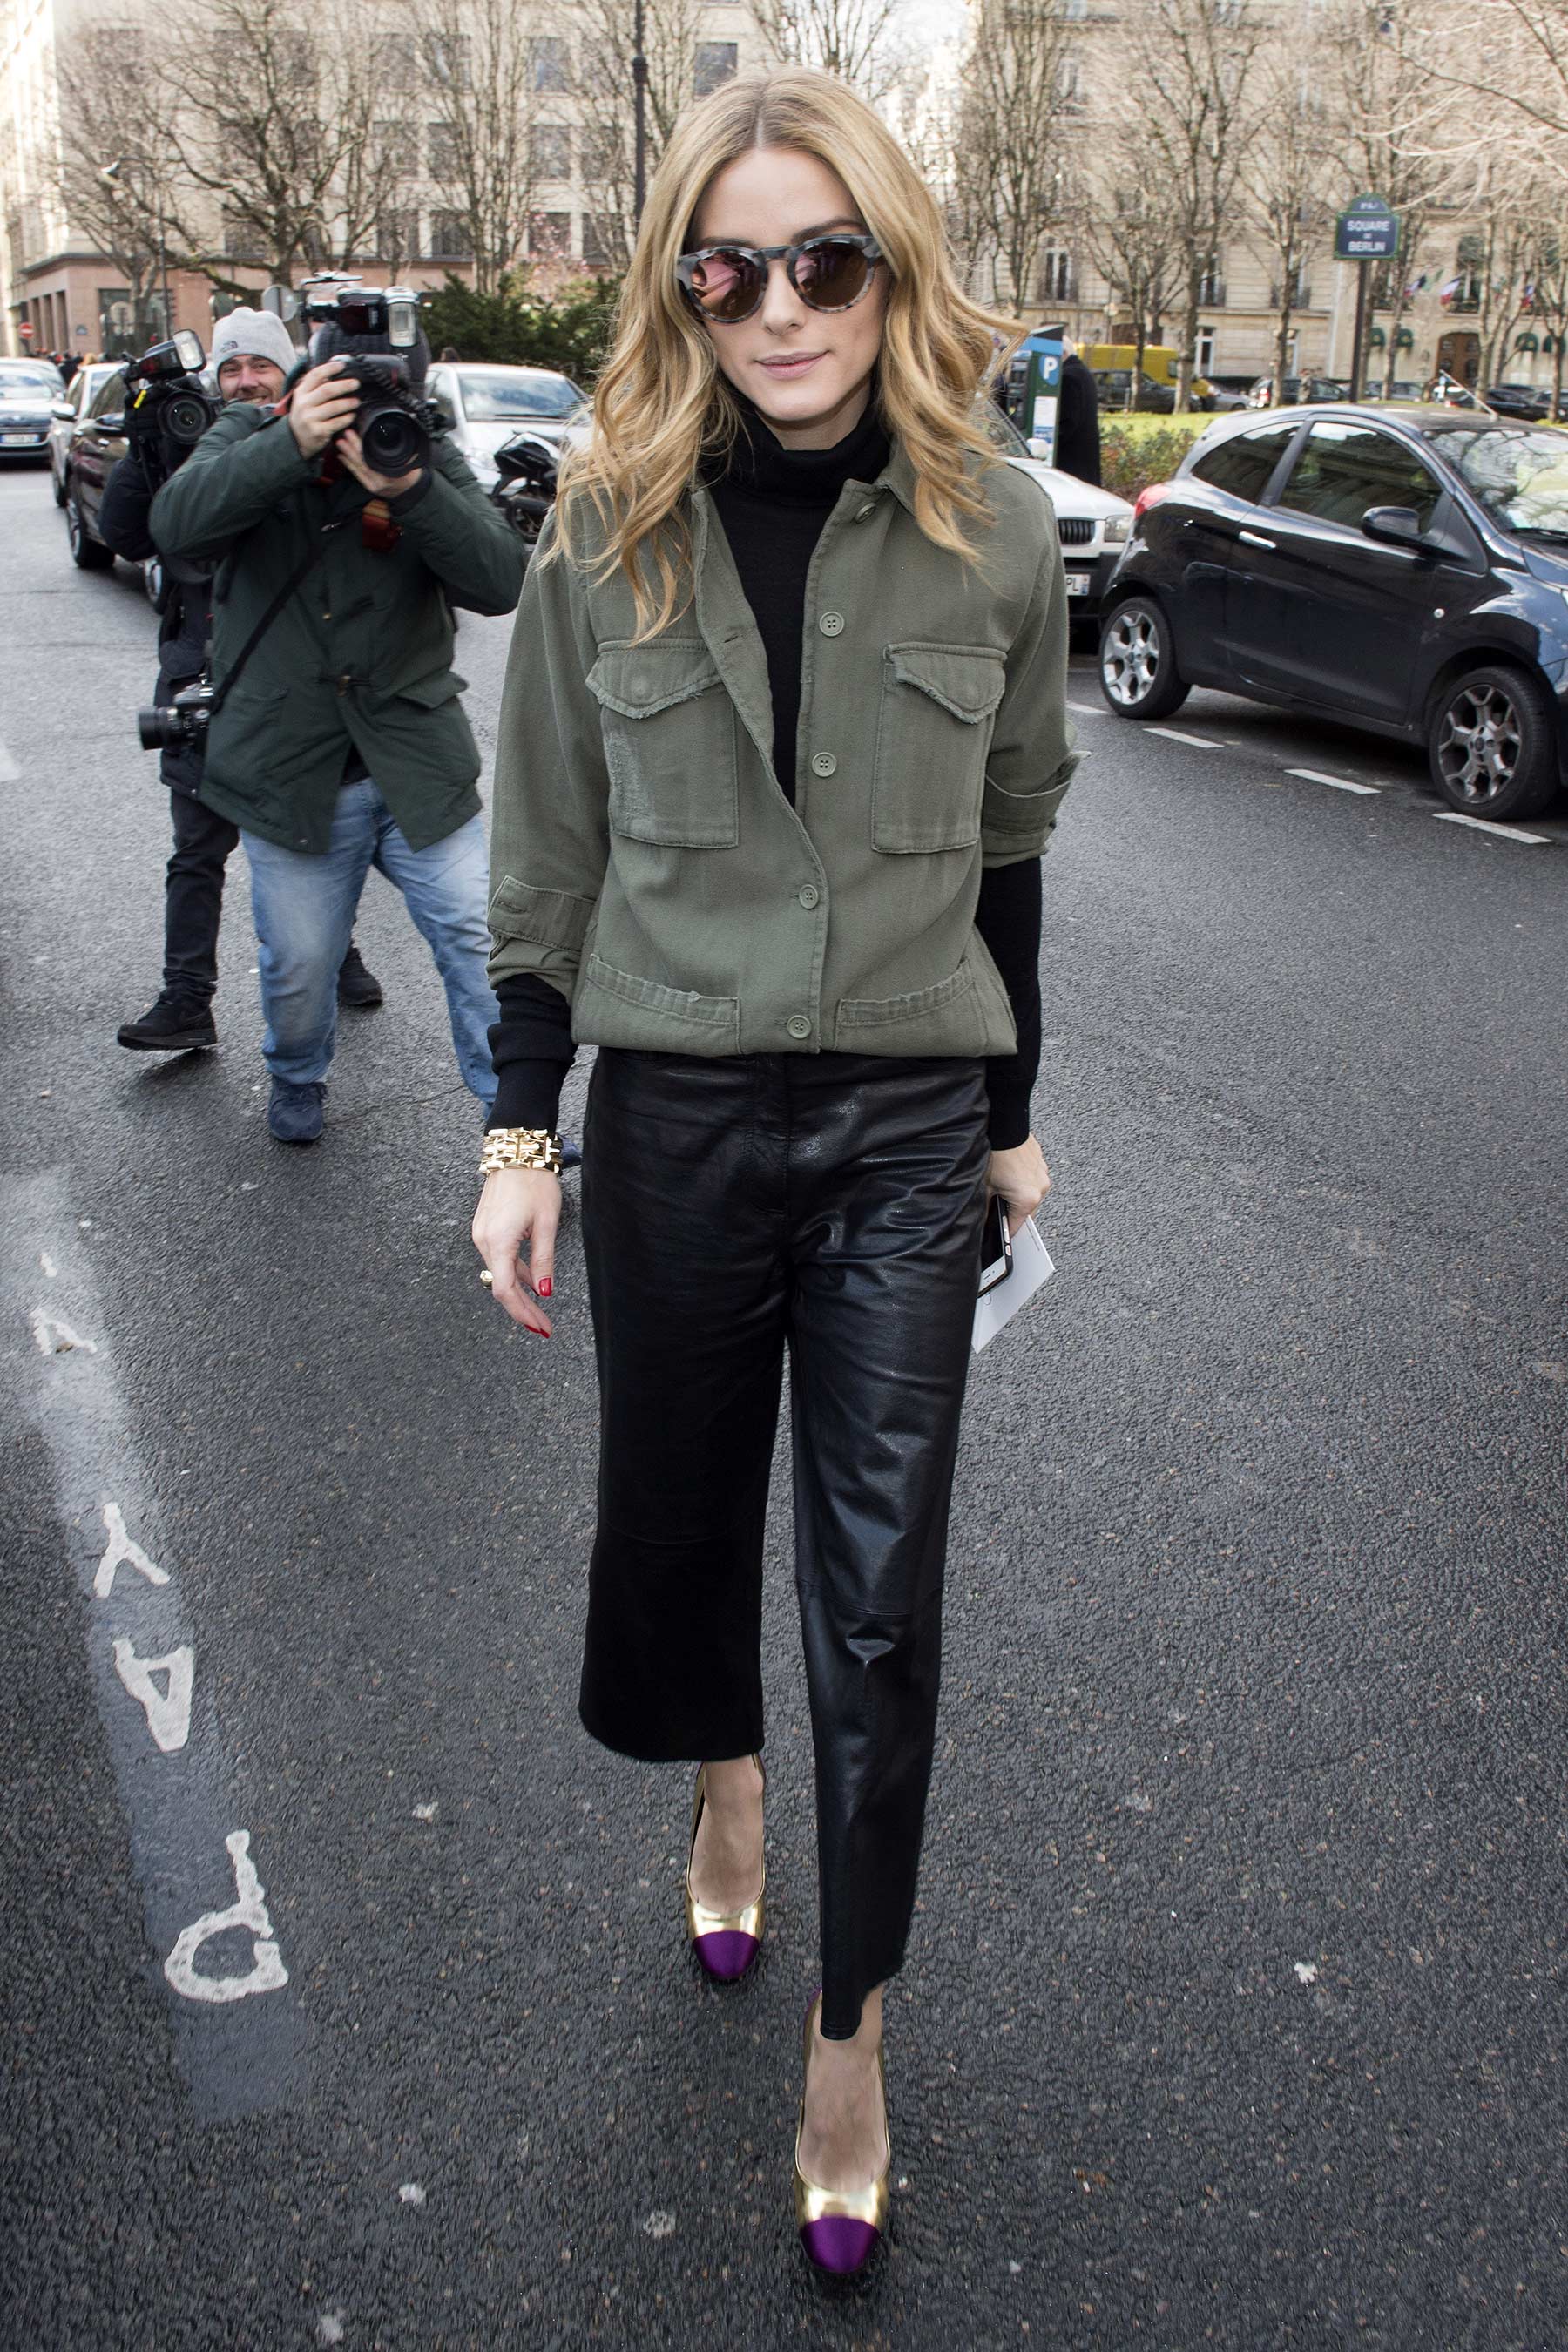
x: 1079, y: 584
x: 18, y: 440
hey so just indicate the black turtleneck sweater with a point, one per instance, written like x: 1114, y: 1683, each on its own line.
x: 773, y: 503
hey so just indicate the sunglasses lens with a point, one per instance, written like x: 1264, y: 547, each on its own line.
x: 725, y: 284
x: 831, y: 273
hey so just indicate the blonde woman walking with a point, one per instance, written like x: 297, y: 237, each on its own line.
x: 783, y: 741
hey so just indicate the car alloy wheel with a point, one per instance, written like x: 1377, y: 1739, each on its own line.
x: 1138, y: 674
x: 1478, y: 745
x: 1493, y: 743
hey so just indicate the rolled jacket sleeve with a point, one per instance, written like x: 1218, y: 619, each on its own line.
x: 549, y: 826
x: 1034, y: 751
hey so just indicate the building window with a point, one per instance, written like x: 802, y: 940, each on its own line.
x: 441, y: 149
x: 1070, y: 93
x: 396, y: 238
x: 604, y: 159
x: 397, y: 63
x: 446, y: 60
x: 549, y: 236
x: 398, y: 142
x: 241, y: 240
x: 450, y: 239
x: 1211, y: 284
x: 1203, y: 357
x: 1057, y: 280
x: 596, y: 244
x: 716, y: 61
x: 549, y: 63
x: 550, y: 152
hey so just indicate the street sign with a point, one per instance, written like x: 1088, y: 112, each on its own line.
x: 26, y: 330
x: 1366, y: 231
x: 81, y: 334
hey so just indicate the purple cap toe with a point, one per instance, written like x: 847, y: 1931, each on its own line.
x: 727, y: 1953
x: 838, y: 2243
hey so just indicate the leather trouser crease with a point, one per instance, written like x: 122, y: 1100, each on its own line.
x: 830, y: 1205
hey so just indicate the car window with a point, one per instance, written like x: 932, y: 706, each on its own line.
x: 1520, y: 472
x: 1000, y: 430
x: 495, y: 395
x: 1245, y: 466
x: 110, y: 396
x: 1345, y: 469
x: 14, y: 379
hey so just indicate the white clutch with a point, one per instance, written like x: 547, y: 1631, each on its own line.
x: 1031, y: 1270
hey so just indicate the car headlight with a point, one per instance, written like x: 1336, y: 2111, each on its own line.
x: 1118, y: 528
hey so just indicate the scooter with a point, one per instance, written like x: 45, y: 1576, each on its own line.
x: 527, y: 469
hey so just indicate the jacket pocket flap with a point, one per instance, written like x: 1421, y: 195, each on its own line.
x: 968, y: 680
x: 639, y: 680
x: 551, y: 918
x: 429, y: 693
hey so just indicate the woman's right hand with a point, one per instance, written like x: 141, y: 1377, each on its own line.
x: 517, y: 1205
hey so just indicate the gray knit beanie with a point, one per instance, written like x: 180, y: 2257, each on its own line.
x: 256, y: 332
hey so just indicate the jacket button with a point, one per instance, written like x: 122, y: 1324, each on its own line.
x: 832, y: 625
x: 810, y: 894
x: 798, y: 1025
x: 823, y: 763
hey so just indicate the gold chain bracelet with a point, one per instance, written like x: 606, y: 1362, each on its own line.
x: 520, y: 1147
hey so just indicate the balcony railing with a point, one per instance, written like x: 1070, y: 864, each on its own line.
x: 1211, y: 294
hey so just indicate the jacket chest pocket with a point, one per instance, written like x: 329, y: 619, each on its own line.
x: 669, y: 744
x: 933, y: 731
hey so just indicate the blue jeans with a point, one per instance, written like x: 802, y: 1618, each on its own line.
x: 304, y: 916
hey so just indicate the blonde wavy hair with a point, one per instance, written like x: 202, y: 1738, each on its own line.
x: 662, y: 401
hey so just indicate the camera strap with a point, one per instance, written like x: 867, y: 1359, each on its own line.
x: 296, y: 579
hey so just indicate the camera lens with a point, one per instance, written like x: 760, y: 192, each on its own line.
x: 393, y: 442
x: 186, y: 418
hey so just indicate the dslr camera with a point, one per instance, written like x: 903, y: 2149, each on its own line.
x: 165, y: 726
x: 167, y: 406
x: 374, y: 329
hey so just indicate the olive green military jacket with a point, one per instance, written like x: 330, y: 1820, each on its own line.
x: 644, y: 858
x: 360, y: 655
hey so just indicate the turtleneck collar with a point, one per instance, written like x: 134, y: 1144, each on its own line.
x: 760, y: 464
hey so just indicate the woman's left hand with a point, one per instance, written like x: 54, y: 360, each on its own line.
x: 1021, y: 1177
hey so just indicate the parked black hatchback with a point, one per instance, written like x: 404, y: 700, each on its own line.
x: 1404, y: 568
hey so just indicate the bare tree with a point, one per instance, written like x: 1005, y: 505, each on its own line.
x: 270, y: 117
x: 1546, y: 293
x: 1018, y: 92
x: 1287, y: 172
x: 856, y: 39
x: 605, y: 92
x: 485, y: 72
x: 1191, y: 110
x: 115, y: 182
x: 1133, y: 243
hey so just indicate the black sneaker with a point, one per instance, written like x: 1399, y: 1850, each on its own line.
x: 294, y: 1113
x: 355, y: 986
x: 173, y: 1025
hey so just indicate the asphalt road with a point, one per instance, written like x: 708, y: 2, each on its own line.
x: 1235, y: 2012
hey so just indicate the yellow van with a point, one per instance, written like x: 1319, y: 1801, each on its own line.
x: 1160, y: 364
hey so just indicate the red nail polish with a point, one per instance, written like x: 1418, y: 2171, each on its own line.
x: 546, y: 1288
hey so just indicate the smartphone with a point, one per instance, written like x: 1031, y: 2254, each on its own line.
x: 996, y: 1251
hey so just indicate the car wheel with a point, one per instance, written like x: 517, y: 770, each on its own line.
x: 1492, y: 745
x: 88, y: 554
x: 1138, y: 673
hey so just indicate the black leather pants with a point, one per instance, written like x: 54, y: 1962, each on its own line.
x: 832, y: 1202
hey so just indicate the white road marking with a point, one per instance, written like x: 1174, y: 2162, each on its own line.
x: 46, y: 1262
x: 1174, y: 735
x: 1090, y: 710
x: 411, y: 2193
x: 168, y: 1711
x: 1485, y: 824
x: 1339, y: 783
x: 10, y: 774
x: 55, y: 1335
x: 267, y: 1972
x: 123, y: 1553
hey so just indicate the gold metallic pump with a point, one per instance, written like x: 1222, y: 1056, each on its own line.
x: 725, y: 1942
x: 840, y: 2229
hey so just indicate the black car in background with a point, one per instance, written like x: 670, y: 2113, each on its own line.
x: 1404, y: 568
x: 96, y: 447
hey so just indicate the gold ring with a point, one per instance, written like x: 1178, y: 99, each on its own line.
x: 486, y: 1277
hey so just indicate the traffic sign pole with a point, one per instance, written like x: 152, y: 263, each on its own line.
x: 1365, y: 232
